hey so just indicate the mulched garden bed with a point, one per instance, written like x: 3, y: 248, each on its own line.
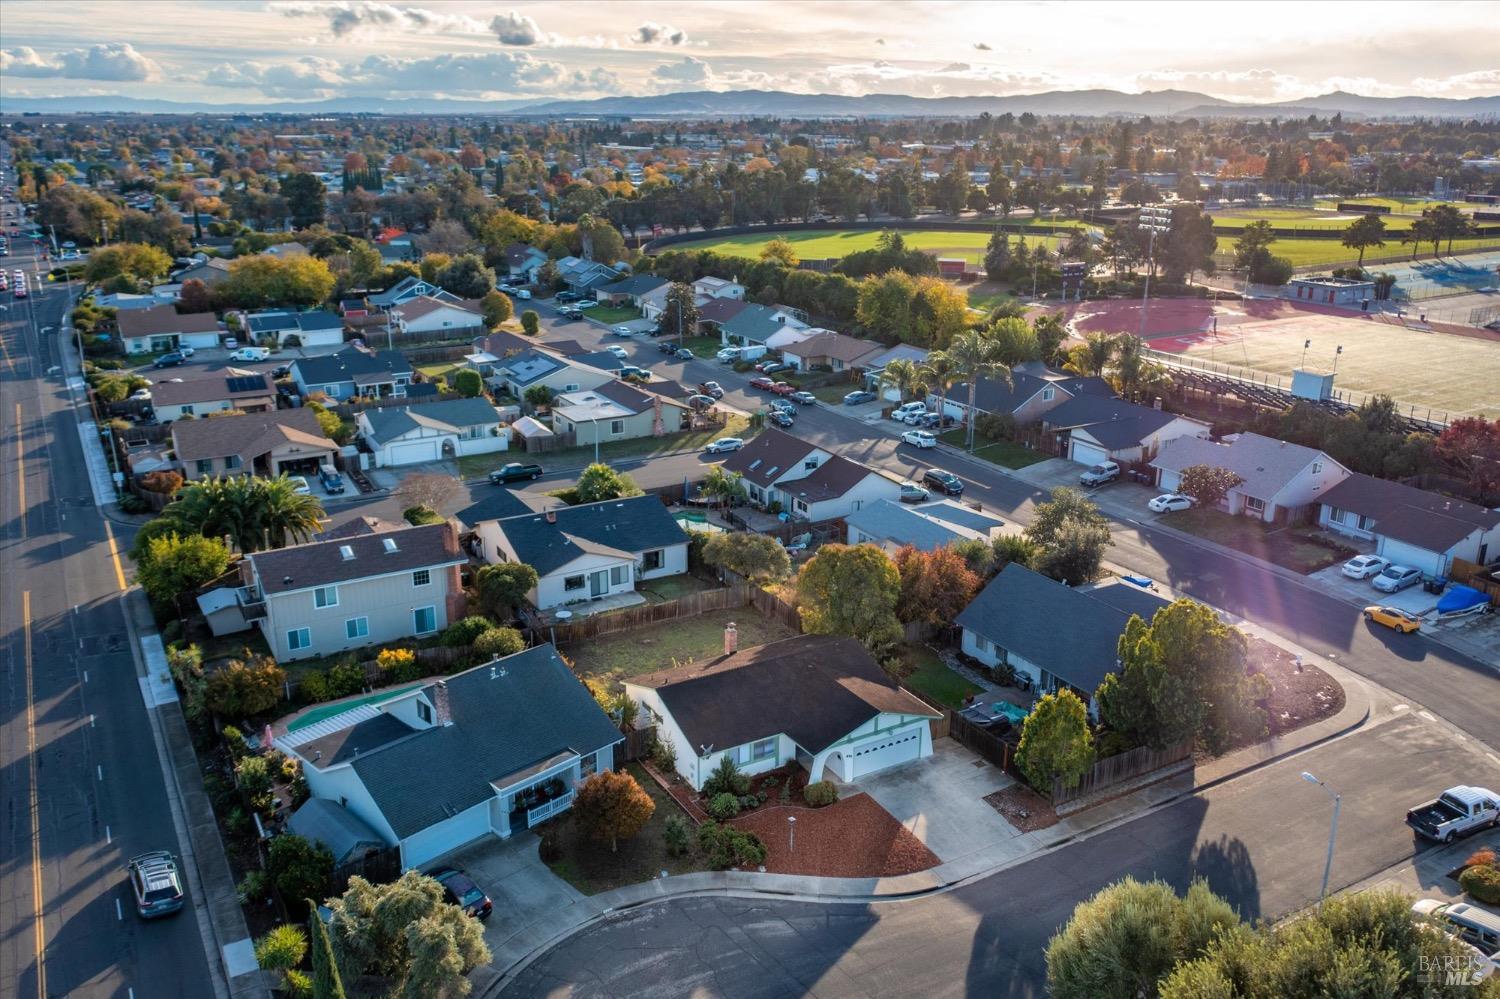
x: 1298, y: 696
x: 852, y: 838
x: 1023, y: 808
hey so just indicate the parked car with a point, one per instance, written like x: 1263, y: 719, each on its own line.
x: 1395, y: 578
x: 767, y: 367
x: 187, y: 351
x: 702, y: 401
x: 711, y: 388
x: 782, y: 418
x: 618, y: 351
x: 1168, y: 502
x: 156, y: 883
x: 300, y: 484
x: 250, y: 354
x: 523, y: 294
x: 805, y: 398
x: 913, y: 493
x: 783, y: 388
x: 1364, y: 566
x: 946, y: 482
x: 168, y: 360
x: 900, y: 413
x: 728, y: 355
x: 782, y: 405
x: 1479, y: 928
x: 666, y: 347
x: 570, y: 313
x: 723, y: 445
x: 858, y: 397
x: 515, y: 471
x: 622, y: 331
x: 508, y: 289
x: 1456, y: 812
x: 1394, y: 618
x: 762, y: 382
x: 919, y: 438
x: 1100, y: 474
x: 587, y: 303
x: 566, y: 296
x: 333, y: 482
x: 461, y: 891
x: 631, y: 372
x: 934, y: 421
x: 682, y: 354
x: 141, y: 395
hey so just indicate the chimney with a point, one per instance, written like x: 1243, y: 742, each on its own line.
x: 1157, y: 403
x: 551, y: 516
x: 731, y: 639
x: 442, y: 714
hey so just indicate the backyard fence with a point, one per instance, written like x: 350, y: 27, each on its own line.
x: 642, y: 615
x: 998, y: 751
x: 638, y: 743
x: 1117, y: 769
x: 940, y: 726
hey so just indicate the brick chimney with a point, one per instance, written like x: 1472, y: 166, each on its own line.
x: 731, y: 639
x: 442, y: 714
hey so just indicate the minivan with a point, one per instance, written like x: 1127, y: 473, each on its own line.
x: 1476, y: 927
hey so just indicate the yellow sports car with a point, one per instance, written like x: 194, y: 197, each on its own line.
x: 1393, y: 617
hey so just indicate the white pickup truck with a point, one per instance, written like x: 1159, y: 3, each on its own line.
x: 1458, y: 811
x: 1101, y: 473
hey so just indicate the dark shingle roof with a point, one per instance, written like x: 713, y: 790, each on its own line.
x: 497, y: 504
x: 351, y: 364
x: 721, y: 310
x: 765, y: 457
x: 320, y: 563
x: 1405, y: 513
x: 532, y: 708
x: 638, y: 284
x: 833, y: 478
x: 1020, y: 611
x: 814, y: 688
x: 388, y: 422
x: 993, y: 395
x: 1114, y: 423
x: 228, y: 384
x: 164, y: 319
x: 334, y: 826
x: 627, y: 525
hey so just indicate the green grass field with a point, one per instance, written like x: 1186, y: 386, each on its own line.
x: 820, y: 244
x: 1303, y: 218
x: 1406, y: 204
x: 1314, y: 252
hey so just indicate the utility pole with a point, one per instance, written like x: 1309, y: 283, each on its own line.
x: 1333, y: 831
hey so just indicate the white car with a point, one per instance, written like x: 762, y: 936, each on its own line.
x: 300, y: 485
x: 723, y: 445
x: 900, y: 413
x: 623, y: 331
x: 618, y: 351
x: 913, y: 493
x: 919, y: 438
x: 1394, y: 578
x: 141, y: 395
x: 1364, y: 566
x: 1168, y: 502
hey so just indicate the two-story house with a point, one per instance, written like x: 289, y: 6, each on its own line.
x: 353, y: 372
x: 522, y: 261
x: 402, y: 292
x: 808, y: 482
x: 433, y: 431
x: 1279, y: 481
x: 270, y: 443
x: 431, y: 766
x: 354, y: 592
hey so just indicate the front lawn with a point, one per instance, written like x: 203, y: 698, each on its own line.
x: 1006, y: 454
x: 931, y: 677
x: 1300, y: 548
x: 706, y: 347
x: 833, y: 394
x: 660, y: 646
x: 474, y: 466
x: 613, y: 314
x: 592, y: 868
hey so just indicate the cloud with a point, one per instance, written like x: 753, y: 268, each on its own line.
x: 952, y: 80
x: 880, y: 41
x: 956, y: 67
x: 1480, y: 83
x: 652, y: 33
x: 701, y: 75
x: 981, y: 46
x: 346, y: 17
x: 513, y: 28
x: 690, y: 70
x: 116, y: 61
x: 456, y: 75
x: 308, y: 78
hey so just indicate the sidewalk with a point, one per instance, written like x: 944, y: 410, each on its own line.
x: 531, y: 941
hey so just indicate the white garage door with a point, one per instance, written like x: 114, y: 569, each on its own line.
x: 413, y: 453
x: 1418, y: 558
x: 450, y: 834
x: 877, y: 754
x: 1085, y: 453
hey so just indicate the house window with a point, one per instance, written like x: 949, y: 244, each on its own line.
x: 233, y: 461
x: 357, y: 627
x: 187, y: 410
x: 205, y: 466
x: 424, y: 711
x: 1335, y: 515
x: 651, y: 561
x: 588, y: 766
x: 298, y: 638
x: 616, y: 427
x: 982, y: 644
x: 1254, y: 503
x: 422, y: 577
x: 616, y: 575
x: 424, y: 620
x: 1317, y: 467
x: 326, y: 596
x: 763, y: 750
x: 800, y: 506
x: 573, y: 583
x: 571, y: 387
x: 810, y: 464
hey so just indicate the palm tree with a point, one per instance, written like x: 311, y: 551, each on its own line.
x: 906, y: 376
x: 1133, y: 375
x: 252, y: 512
x: 287, y: 516
x: 976, y: 356
x: 941, y: 373
x: 726, y: 487
x: 1093, y: 356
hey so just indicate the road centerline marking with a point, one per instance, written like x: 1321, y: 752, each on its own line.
x: 38, y: 904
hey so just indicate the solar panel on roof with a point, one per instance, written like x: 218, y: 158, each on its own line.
x: 247, y: 383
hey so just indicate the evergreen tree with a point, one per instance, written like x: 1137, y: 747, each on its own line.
x: 326, y: 982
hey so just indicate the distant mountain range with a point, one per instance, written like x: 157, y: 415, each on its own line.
x: 781, y: 104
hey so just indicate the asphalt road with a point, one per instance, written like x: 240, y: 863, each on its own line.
x: 92, y: 794
x: 1258, y: 841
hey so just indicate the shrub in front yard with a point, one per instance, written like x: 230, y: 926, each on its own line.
x: 254, y: 887
x: 611, y: 806
x: 820, y: 794
x: 461, y: 633
x: 726, y: 846
x: 724, y: 806
x: 253, y: 774
x: 1482, y: 884
x: 677, y: 834
x: 726, y: 779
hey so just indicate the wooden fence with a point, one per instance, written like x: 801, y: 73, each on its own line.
x: 1000, y: 752
x: 940, y: 726
x: 642, y: 615
x: 638, y: 743
x: 1126, y: 766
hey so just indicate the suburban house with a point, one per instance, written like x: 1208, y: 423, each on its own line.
x: 516, y: 373
x: 288, y: 441
x: 927, y: 526
x: 588, y: 552
x: 583, y: 276
x: 713, y: 314
x: 523, y: 261
x: 1054, y: 635
x: 435, y: 765
x: 403, y: 291
x: 1034, y: 389
x: 436, y: 315
x: 755, y: 324
x: 353, y: 372
x: 209, y: 270
x: 628, y: 291
x: 654, y: 302
x: 1091, y: 428
x: 834, y: 351
x: 1411, y: 526
x: 224, y: 390
x: 347, y: 836
x: 1280, y: 480
x: 713, y: 287
x: 296, y: 329
x: 354, y: 592
x: 900, y: 352
x: 616, y: 411
x: 433, y: 431
x: 498, y: 503
x: 806, y: 481
x: 160, y: 328
x: 818, y: 700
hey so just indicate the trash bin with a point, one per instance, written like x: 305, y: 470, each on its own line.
x: 1434, y: 584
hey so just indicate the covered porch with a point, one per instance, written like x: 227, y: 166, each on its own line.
x: 534, y: 794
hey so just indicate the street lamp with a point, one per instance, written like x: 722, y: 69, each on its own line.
x: 1153, y: 220
x: 791, y: 831
x: 1333, y: 832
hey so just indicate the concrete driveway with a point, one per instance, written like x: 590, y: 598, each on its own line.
x: 528, y: 897
x: 941, y: 801
x: 1413, y: 599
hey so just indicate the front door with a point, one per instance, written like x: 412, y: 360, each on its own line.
x: 599, y: 583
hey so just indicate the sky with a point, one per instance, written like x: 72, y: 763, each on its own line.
x: 222, y: 51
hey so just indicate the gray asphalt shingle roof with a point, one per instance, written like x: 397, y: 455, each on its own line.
x: 638, y: 524
x: 351, y: 364
x: 321, y: 563
x: 1406, y: 513
x: 530, y: 709
x: 451, y: 415
x: 497, y: 504
x: 1115, y: 423
x: 924, y: 527
x: 334, y: 826
x: 1266, y: 465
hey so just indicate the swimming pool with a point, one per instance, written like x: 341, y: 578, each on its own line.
x: 692, y: 520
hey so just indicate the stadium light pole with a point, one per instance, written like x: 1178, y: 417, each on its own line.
x: 1153, y: 220
x: 1333, y: 831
